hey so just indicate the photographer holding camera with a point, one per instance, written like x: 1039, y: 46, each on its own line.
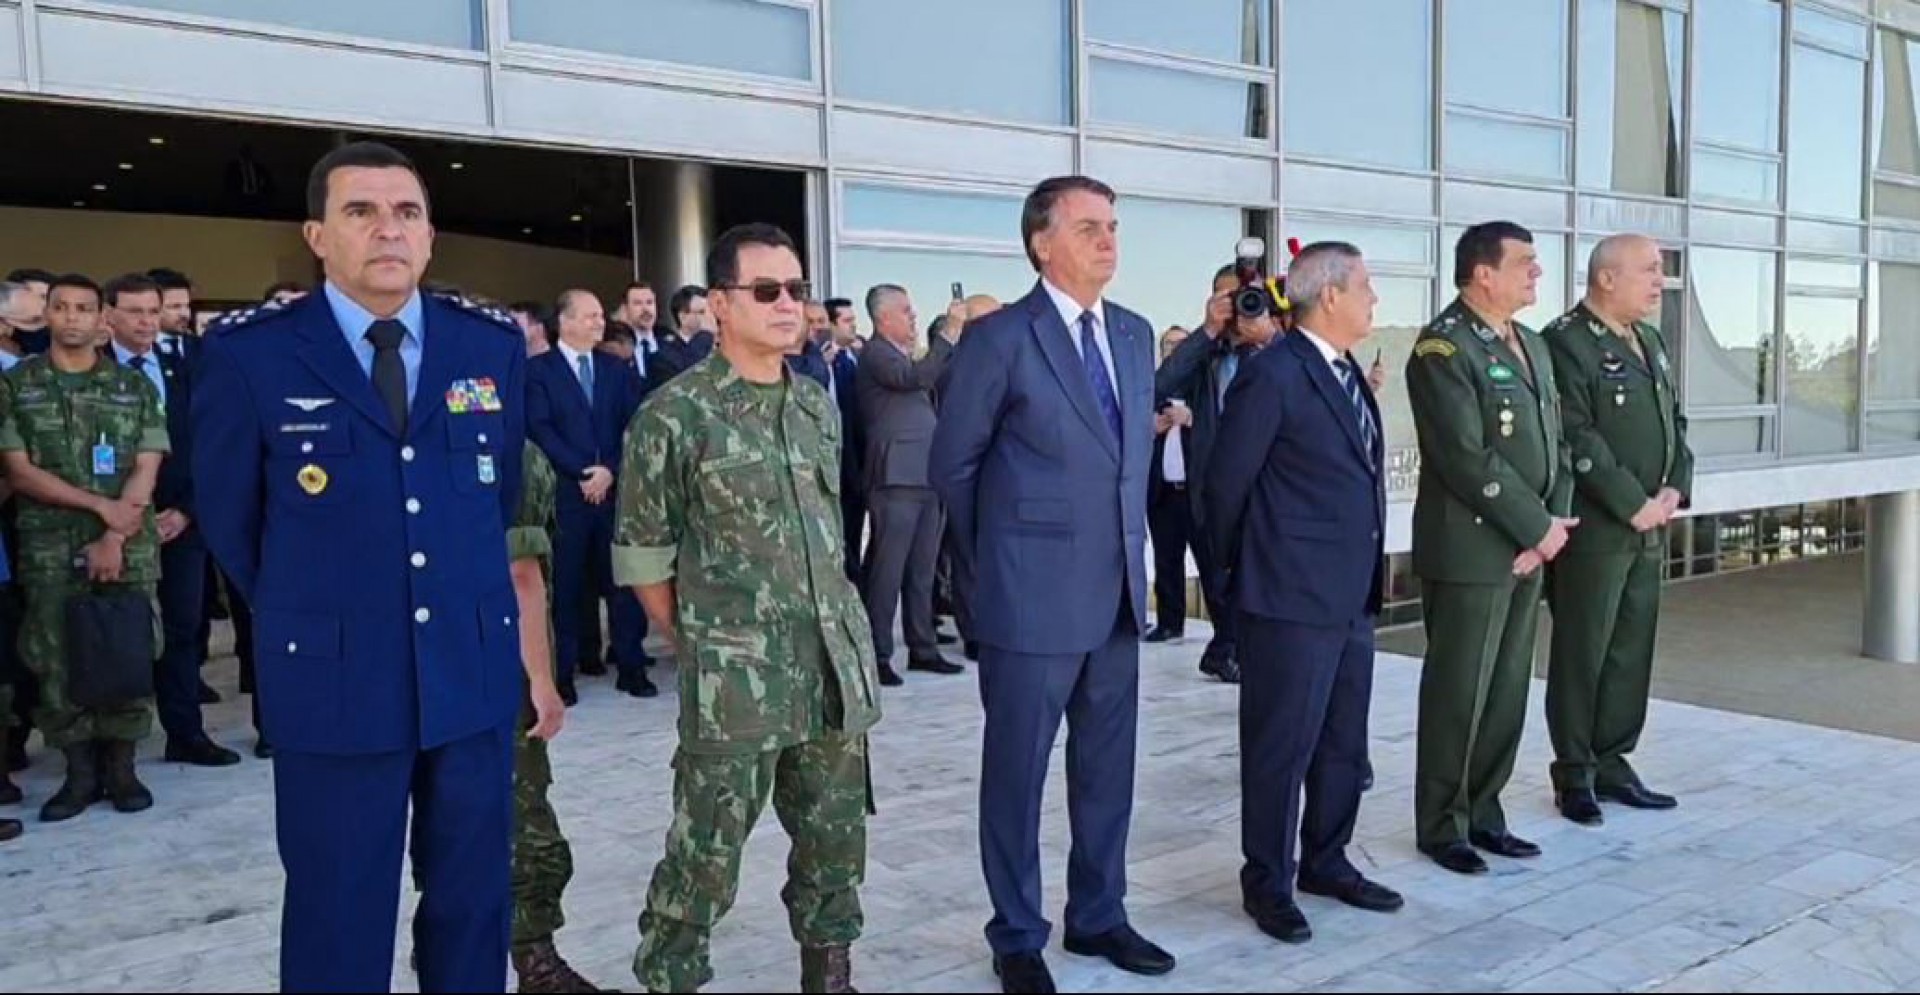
x: 1243, y: 315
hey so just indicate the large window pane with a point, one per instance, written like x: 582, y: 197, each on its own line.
x: 1406, y: 244
x: 1508, y: 55
x: 745, y: 36
x: 1002, y: 59
x: 1550, y: 291
x: 446, y: 23
x: 1406, y: 304
x: 1896, y: 124
x: 1168, y: 255
x: 1730, y: 437
x: 1823, y: 375
x: 1893, y: 337
x: 1737, y: 48
x: 1495, y: 147
x: 1172, y: 100
x: 876, y: 209
x: 929, y: 277
x: 1839, y: 32
x: 1387, y: 43
x: 1824, y: 134
x: 1729, y: 346
x: 1631, y: 97
x: 1893, y: 428
x: 1221, y: 30
x: 1731, y: 176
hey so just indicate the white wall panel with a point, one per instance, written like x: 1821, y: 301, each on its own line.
x: 895, y: 143
x: 637, y: 117
x: 1153, y: 170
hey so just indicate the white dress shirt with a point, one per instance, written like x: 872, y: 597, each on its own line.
x: 1070, y: 311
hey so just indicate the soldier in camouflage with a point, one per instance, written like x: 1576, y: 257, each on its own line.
x: 83, y: 438
x: 729, y: 527
x: 542, y: 860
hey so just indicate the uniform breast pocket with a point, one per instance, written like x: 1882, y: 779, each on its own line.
x: 738, y: 483
x: 473, y: 443
x: 310, y: 463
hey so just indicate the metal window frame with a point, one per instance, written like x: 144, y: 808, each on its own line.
x: 129, y: 13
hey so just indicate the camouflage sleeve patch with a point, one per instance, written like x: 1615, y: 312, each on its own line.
x: 528, y: 542
x: 651, y: 513
x: 1435, y: 347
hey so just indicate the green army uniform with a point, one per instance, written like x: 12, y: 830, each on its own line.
x: 63, y: 421
x: 1627, y: 434
x: 1493, y: 475
x: 730, y: 490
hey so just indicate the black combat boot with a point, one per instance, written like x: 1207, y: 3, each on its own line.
x: 117, y: 777
x: 9, y: 791
x: 541, y: 969
x: 826, y: 969
x: 82, y: 787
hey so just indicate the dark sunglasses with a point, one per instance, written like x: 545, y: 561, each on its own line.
x: 768, y: 291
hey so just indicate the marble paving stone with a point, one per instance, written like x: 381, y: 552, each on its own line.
x: 1791, y: 862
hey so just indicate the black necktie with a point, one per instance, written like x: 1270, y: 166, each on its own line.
x: 389, y: 374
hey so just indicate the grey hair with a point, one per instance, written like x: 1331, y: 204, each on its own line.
x: 878, y: 296
x: 1317, y: 267
x: 1607, y: 254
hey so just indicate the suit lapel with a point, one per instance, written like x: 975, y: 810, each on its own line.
x: 323, y: 348
x: 1056, y: 343
x: 1331, y: 392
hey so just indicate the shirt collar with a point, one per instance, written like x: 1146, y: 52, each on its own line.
x: 1327, y: 352
x: 572, y: 355
x: 355, y: 320
x: 125, y: 355
x: 1070, y: 309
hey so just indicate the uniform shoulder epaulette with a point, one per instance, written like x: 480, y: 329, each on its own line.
x: 258, y: 314
x: 479, y: 310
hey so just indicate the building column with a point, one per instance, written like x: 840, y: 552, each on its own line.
x: 1892, y: 624
x: 676, y: 218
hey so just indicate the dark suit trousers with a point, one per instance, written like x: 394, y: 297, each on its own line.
x: 342, y: 828
x: 1304, y: 696
x: 183, y: 602
x: 853, y: 518
x: 582, y: 575
x: 1025, y: 697
x: 907, y: 525
x: 1170, y: 524
x: 1213, y: 590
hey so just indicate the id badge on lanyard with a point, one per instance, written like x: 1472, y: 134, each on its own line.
x: 103, y: 459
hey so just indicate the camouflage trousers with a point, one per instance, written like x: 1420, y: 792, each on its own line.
x: 820, y: 793
x: 43, y: 651
x: 542, y: 860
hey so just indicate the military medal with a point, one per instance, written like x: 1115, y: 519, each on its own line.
x: 312, y: 479
x: 1506, y: 422
x: 1620, y: 399
x: 486, y: 468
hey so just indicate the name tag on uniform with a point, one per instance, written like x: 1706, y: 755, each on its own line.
x: 476, y: 394
x: 1613, y: 368
x: 103, y: 461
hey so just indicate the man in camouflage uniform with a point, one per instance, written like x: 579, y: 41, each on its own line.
x: 729, y: 527
x: 1632, y: 471
x: 1494, y: 490
x: 83, y: 438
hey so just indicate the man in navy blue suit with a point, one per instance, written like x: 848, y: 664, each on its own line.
x: 357, y: 462
x: 1046, y: 424
x: 1297, y: 507
x: 579, y: 400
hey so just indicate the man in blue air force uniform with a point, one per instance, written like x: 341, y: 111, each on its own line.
x: 357, y: 461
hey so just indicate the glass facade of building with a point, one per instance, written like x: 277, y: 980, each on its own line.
x: 1772, y: 145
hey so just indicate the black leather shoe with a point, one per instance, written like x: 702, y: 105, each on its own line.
x: 1458, y: 858
x: 208, y: 696
x: 1281, y: 920
x: 970, y: 650
x: 1580, y: 806
x: 1124, y: 948
x: 1636, y: 796
x: 637, y: 683
x: 592, y: 668
x: 1162, y: 634
x: 1024, y: 973
x: 1359, y: 893
x: 946, y: 638
x: 1503, y: 844
x: 935, y: 665
x: 889, y: 677
x: 567, y: 693
x: 1224, y: 669
x: 263, y: 749
x: 202, y: 752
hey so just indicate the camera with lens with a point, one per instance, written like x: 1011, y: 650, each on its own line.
x: 1258, y: 293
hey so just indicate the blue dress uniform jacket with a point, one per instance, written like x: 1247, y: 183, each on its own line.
x: 384, y: 613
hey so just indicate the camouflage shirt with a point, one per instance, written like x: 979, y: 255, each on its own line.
x: 730, y: 490
x: 86, y: 429
x: 531, y: 531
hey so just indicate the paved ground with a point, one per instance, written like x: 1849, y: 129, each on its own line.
x: 1790, y: 864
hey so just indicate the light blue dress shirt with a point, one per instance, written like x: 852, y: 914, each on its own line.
x: 151, y: 368
x: 355, y: 320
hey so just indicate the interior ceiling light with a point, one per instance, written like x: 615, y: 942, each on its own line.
x: 456, y: 165
x: 126, y: 166
x: 156, y: 140
x: 574, y: 218
x: 102, y: 187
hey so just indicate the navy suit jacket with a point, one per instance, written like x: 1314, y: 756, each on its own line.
x: 173, y: 489
x: 376, y: 565
x: 1294, y: 505
x: 1048, y: 507
x: 574, y: 436
x: 853, y: 428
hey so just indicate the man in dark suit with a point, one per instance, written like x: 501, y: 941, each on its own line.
x: 690, y: 341
x: 1046, y: 423
x: 1297, y: 508
x: 357, y: 459
x: 133, y: 317
x: 1169, y: 510
x: 579, y: 400
x: 896, y: 400
x: 1199, y: 373
x: 823, y: 358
